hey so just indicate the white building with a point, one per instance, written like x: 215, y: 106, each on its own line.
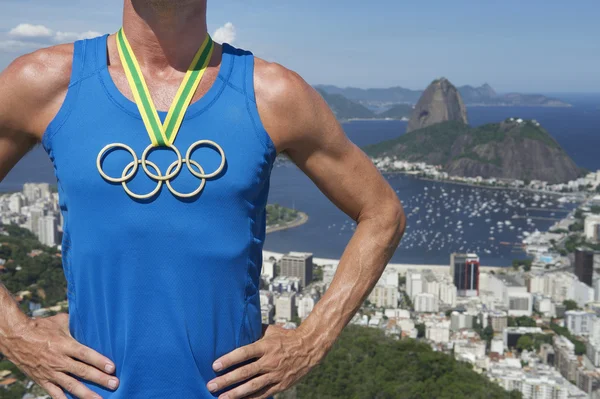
x: 16, y: 202
x: 426, y: 303
x: 592, y: 228
x: 305, y: 305
x: 285, y: 306
x: 268, y: 269
x: 47, y: 230
x: 578, y: 322
x: 438, y: 332
x: 520, y: 304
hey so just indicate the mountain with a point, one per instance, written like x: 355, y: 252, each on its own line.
x: 484, y: 95
x: 398, y: 111
x: 344, y: 108
x: 392, y: 95
x: 474, y: 95
x: 440, y: 102
x: 512, y: 149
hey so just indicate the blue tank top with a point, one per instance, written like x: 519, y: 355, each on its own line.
x: 162, y: 286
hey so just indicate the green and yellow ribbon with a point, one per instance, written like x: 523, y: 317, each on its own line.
x: 163, y: 134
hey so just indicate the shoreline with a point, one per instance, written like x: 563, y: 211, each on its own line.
x: 481, y: 185
x: 299, y: 221
x: 401, y: 268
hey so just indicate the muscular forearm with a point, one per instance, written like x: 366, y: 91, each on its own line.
x: 362, y: 264
x: 10, y: 315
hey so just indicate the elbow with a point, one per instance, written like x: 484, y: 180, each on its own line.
x: 397, y: 220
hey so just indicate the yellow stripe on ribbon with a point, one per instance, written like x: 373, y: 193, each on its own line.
x: 163, y: 134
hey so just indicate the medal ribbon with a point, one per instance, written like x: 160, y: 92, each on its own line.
x: 163, y: 135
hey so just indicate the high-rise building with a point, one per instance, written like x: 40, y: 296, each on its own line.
x: 298, y: 264
x: 464, y: 269
x: 591, y: 226
x: 47, y: 230
x: 35, y: 191
x: 285, y: 306
x: 35, y: 214
x: 584, y: 265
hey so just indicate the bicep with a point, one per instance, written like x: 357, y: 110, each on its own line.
x: 19, y: 111
x: 13, y: 146
x: 339, y: 168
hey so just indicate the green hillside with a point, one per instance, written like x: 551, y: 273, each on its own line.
x: 365, y: 364
x: 509, y: 149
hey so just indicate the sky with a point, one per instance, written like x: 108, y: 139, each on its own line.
x: 529, y: 46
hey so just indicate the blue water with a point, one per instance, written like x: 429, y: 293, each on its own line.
x: 429, y: 238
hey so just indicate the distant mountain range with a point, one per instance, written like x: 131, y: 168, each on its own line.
x: 345, y: 109
x: 484, y: 95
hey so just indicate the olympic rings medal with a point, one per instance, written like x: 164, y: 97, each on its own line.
x: 125, y: 177
x: 202, y: 175
x: 159, y: 176
x: 193, y: 193
x: 150, y: 194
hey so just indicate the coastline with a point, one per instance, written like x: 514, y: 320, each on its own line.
x: 480, y: 185
x: 401, y: 268
x: 300, y: 220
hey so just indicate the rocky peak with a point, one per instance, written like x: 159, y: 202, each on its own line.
x: 440, y: 102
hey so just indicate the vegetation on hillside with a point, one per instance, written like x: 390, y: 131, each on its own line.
x: 40, y: 271
x: 278, y: 214
x: 366, y: 364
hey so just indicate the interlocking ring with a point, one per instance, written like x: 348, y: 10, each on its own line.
x: 151, y: 193
x: 168, y: 176
x: 202, y: 175
x: 172, y: 171
x: 122, y: 178
x: 193, y: 193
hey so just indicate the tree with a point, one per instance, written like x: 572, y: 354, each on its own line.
x: 487, y: 333
x: 570, y: 304
x: 420, y: 330
x: 525, y: 343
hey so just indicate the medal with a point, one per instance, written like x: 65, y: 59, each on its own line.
x: 162, y: 135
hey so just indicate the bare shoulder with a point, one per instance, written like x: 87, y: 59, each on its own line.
x: 33, y: 87
x: 287, y: 104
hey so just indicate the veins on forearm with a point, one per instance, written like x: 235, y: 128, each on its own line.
x: 360, y: 267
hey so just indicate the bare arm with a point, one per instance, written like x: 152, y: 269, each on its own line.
x: 302, y: 125
x: 32, y: 90
x: 307, y: 130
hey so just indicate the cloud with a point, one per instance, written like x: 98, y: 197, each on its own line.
x: 13, y: 46
x: 225, y: 34
x: 30, y: 31
x: 26, y: 37
x: 62, y: 37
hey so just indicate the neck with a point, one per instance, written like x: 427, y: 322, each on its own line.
x: 165, y: 33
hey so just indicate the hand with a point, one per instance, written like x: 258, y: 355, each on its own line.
x: 45, y: 350
x: 283, y: 357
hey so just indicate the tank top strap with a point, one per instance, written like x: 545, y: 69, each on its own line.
x: 82, y: 66
x: 237, y: 63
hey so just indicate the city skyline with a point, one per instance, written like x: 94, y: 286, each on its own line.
x: 527, y: 47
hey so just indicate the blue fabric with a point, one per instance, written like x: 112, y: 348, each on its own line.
x: 165, y: 286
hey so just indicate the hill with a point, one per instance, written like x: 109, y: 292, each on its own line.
x: 483, y: 95
x: 392, y: 95
x: 398, y: 111
x: 344, y: 108
x: 440, y: 102
x: 364, y: 364
x: 511, y: 149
